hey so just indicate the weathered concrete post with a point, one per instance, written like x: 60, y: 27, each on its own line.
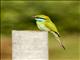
x: 29, y: 45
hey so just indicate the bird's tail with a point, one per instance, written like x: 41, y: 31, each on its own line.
x: 58, y: 39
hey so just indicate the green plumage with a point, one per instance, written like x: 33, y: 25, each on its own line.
x: 44, y: 23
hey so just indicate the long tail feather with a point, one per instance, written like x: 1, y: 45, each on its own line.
x: 58, y: 39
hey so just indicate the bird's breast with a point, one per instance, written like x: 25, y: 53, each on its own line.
x: 42, y: 26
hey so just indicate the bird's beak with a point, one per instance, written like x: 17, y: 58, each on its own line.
x: 33, y: 16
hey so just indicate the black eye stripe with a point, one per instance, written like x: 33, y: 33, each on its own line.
x: 40, y: 18
x: 37, y: 17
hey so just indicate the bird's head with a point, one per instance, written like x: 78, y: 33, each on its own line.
x: 41, y: 18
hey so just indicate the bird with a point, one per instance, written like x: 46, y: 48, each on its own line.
x: 44, y: 23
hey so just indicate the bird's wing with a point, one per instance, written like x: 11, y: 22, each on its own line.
x: 54, y: 31
x: 52, y: 27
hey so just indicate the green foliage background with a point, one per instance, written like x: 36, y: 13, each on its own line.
x: 17, y: 15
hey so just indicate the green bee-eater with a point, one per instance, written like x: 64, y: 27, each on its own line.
x: 44, y: 23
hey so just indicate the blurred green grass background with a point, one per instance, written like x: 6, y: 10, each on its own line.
x: 17, y: 15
